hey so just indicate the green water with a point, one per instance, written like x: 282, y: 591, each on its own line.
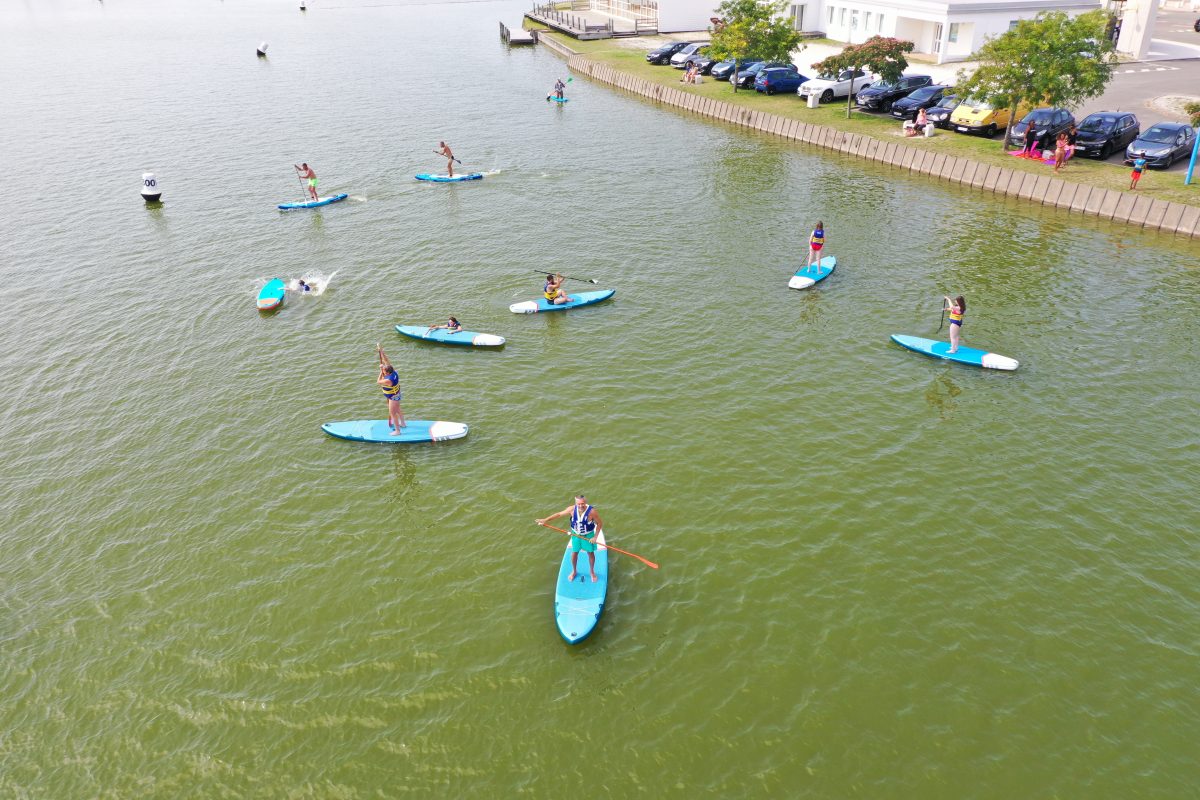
x: 882, y: 576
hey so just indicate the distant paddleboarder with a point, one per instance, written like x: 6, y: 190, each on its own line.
x: 815, y: 243
x: 306, y: 173
x: 585, y: 522
x: 389, y: 381
x: 449, y: 154
x: 957, y: 307
x: 451, y: 326
x: 552, y: 290
x: 559, y: 88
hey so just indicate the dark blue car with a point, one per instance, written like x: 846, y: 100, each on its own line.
x: 778, y: 79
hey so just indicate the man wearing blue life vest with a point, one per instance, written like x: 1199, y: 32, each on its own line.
x: 585, y: 522
x: 389, y: 381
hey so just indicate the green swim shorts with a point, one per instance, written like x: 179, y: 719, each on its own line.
x: 312, y: 182
x: 586, y: 545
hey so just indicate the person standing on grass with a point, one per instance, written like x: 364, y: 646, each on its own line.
x: 1139, y: 166
x: 1060, y: 151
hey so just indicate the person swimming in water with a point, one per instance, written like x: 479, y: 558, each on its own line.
x: 552, y: 290
x: 302, y: 286
x: 451, y: 326
x: 957, y: 307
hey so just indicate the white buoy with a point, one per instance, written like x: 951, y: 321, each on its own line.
x: 262, y: 50
x: 151, y: 191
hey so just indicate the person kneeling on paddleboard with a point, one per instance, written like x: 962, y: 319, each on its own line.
x: 957, y: 307
x: 553, y: 292
x: 389, y: 380
x: 585, y: 522
x: 306, y: 172
x: 451, y: 326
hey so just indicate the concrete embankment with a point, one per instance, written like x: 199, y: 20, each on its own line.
x: 1130, y: 208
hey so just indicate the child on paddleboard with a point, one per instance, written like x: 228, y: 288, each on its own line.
x: 585, y: 523
x: 389, y: 381
x: 815, y: 243
x: 957, y: 307
x: 552, y: 290
x: 451, y: 326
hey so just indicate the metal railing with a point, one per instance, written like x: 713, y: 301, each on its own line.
x: 573, y: 23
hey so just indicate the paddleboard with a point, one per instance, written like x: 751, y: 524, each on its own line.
x: 809, y: 276
x: 964, y: 355
x: 377, y: 430
x: 474, y: 176
x: 321, y: 201
x: 578, y: 603
x: 445, y: 337
x: 577, y: 299
x: 557, y: 99
x: 270, y: 296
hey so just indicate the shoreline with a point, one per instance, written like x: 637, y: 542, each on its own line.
x: 1138, y: 210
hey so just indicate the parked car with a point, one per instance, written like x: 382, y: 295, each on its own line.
x: 828, y: 87
x: 680, y: 59
x: 1105, y: 132
x: 1197, y: 26
x: 976, y: 116
x: 723, y: 69
x: 939, y: 114
x: 926, y: 97
x: 1163, y: 144
x: 745, y: 77
x: 702, y: 62
x: 778, y: 79
x: 662, y: 55
x: 1048, y: 122
x: 882, y: 94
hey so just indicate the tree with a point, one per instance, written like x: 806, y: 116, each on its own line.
x: 881, y: 55
x: 753, y: 27
x: 1051, y: 60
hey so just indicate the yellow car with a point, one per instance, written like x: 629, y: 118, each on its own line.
x: 976, y: 116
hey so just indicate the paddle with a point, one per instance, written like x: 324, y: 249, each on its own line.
x: 303, y: 189
x: 568, y: 277
x: 649, y: 564
x: 943, y: 320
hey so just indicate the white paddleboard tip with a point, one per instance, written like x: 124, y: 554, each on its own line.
x: 528, y: 307
x: 994, y: 361
x: 798, y: 282
x: 487, y: 340
x: 441, y: 430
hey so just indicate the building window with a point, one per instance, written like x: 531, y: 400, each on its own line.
x: 798, y: 17
x: 953, y: 35
x: 831, y: 15
x: 1012, y: 24
x: 880, y: 28
x: 854, y: 20
x: 842, y: 18
x: 866, y: 20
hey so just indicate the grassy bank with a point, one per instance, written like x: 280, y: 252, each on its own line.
x: 1155, y: 183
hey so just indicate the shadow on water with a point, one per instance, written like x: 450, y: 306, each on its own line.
x: 942, y: 393
x: 405, y: 488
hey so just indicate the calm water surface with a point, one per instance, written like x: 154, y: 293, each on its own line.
x: 882, y: 576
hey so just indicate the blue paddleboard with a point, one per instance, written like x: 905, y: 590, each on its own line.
x: 578, y: 603
x: 270, y: 296
x: 557, y: 99
x: 964, y: 355
x: 377, y: 430
x: 577, y: 299
x: 323, y: 201
x: 474, y: 176
x: 809, y: 276
x: 445, y: 337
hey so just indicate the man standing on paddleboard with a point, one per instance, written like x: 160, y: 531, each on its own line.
x: 585, y: 522
x: 306, y: 172
x: 449, y: 154
x: 559, y: 88
x: 389, y: 380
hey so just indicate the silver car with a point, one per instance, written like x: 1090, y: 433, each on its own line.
x: 680, y: 59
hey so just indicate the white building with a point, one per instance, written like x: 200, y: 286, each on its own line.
x: 945, y: 30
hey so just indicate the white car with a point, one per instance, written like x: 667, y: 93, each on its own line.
x: 692, y: 51
x: 828, y: 87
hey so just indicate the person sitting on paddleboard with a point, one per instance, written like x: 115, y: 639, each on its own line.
x: 451, y: 326
x: 559, y: 88
x: 553, y: 291
x: 815, y: 243
x: 307, y: 173
x: 957, y: 307
x: 449, y: 154
x: 389, y: 380
x: 585, y: 522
